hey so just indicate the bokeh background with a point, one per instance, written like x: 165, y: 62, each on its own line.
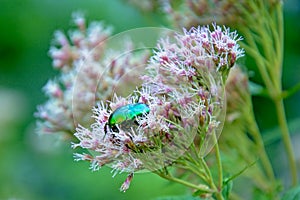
x: 42, y: 167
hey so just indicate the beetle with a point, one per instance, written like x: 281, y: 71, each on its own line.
x: 123, y: 114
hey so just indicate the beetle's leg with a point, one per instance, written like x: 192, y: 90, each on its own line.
x: 115, y: 129
x: 106, y: 128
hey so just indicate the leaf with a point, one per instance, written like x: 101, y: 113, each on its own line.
x: 227, y: 187
x: 229, y: 179
x: 292, y: 194
x: 198, y: 193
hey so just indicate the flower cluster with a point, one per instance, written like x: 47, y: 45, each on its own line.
x: 89, y: 71
x: 190, y: 13
x: 180, y: 101
x: 219, y: 49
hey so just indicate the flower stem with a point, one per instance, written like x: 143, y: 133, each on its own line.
x: 278, y: 99
x: 218, y: 191
x: 206, y: 168
x: 219, y: 163
x: 194, y: 169
x: 286, y: 139
x: 270, y: 64
x: 254, y: 131
x: 202, y: 188
x: 291, y: 92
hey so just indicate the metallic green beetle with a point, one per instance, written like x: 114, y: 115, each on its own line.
x: 125, y: 113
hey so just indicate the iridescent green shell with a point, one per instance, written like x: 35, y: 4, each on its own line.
x: 127, y: 112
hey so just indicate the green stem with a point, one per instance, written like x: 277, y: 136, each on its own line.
x: 206, y: 168
x: 219, y: 195
x: 291, y: 91
x: 279, y: 101
x: 219, y: 163
x: 240, y: 172
x: 286, y: 139
x: 280, y: 39
x: 202, y: 188
x: 254, y: 131
x: 260, y: 61
x: 194, y: 169
x: 271, y: 72
x: 218, y: 191
x: 199, y: 165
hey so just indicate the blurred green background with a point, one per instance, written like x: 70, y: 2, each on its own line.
x: 35, y: 167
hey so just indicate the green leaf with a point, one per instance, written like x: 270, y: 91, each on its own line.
x: 229, y: 179
x: 198, y: 193
x: 292, y: 194
x: 227, y: 187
